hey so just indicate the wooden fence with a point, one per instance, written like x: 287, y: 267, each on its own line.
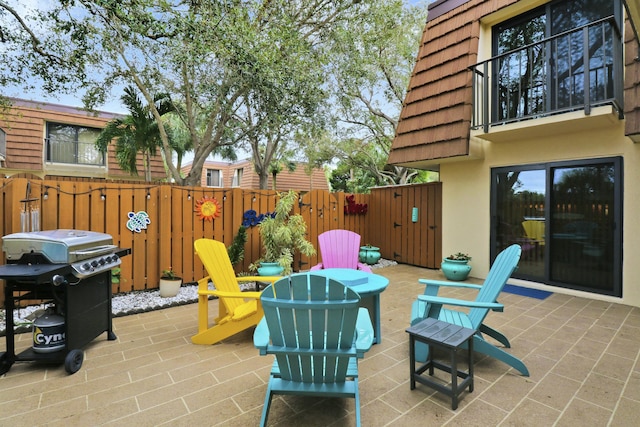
x: 174, y: 224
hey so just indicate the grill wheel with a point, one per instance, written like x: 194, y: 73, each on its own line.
x: 73, y: 361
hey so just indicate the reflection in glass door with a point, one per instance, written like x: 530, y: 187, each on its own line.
x: 565, y: 217
x: 582, y: 222
x: 520, y: 197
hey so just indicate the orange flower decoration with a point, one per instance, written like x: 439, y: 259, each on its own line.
x: 208, y: 208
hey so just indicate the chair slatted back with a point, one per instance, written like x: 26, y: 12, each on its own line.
x: 311, y: 320
x: 215, y: 258
x: 339, y: 248
x: 503, y: 267
x: 534, y: 230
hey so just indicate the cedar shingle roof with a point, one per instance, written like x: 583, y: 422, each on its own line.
x: 436, y: 118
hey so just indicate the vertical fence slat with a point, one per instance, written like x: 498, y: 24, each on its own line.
x: 49, y: 207
x: 81, y: 211
x: 66, y: 204
x: 152, y: 237
x: 191, y: 223
x: 165, y: 232
x: 302, y: 262
x: 412, y: 229
x: 233, y: 210
x: 124, y: 200
x: 138, y: 240
x: 97, y: 217
x: 179, y: 197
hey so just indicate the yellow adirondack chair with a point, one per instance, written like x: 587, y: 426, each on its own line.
x: 237, y: 310
x: 534, y: 231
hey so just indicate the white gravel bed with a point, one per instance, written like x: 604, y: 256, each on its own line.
x: 129, y: 303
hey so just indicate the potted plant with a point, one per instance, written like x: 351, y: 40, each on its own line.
x: 369, y: 254
x: 169, y: 283
x: 115, y: 275
x: 456, y: 267
x: 282, y: 235
x: 236, y: 249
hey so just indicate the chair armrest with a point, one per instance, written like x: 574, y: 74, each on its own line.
x: 364, y: 332
x: 203, y: 284
x: 270, y: 279
x: 261, y: 336
x: 227, y: 294
x: 460, y: 303
x: 449, y: 284
x: 364, y: 267
x: 318, y: 266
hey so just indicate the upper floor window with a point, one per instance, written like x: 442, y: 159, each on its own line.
x: 3, y: 145
x: 563, y: 56
x: 214, y: 178
x: 72, y: 144
x: 237, y: 178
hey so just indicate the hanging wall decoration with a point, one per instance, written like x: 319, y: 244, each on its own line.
x: 138, y: 221
x: 208, y: 208
x: 353, y: 208
x: 251, y: 218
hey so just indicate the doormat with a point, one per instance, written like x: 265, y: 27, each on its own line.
x: 526, y: 292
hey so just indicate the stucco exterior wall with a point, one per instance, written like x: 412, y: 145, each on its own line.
x: 466, y: 194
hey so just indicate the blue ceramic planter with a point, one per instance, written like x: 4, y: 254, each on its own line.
x: 369, y: 254
x: 270, y: 269
x: 455, y: 270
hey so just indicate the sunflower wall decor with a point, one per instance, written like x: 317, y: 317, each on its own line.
x: 208, y: 208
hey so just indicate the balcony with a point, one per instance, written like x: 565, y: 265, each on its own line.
x: 573, y: 71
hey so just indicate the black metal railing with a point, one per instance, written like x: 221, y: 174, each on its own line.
x: 574, y: 70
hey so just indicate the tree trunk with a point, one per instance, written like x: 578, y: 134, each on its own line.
x: 264, y: 180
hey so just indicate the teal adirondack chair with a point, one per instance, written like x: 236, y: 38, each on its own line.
x: 317, y: 332
x: 430, y: 305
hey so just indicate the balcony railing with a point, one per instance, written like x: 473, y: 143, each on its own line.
x: 574, y: 70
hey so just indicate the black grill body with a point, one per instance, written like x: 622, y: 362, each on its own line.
x: 85, y: 304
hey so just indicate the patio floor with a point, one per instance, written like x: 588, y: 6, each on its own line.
x: 582, y: 354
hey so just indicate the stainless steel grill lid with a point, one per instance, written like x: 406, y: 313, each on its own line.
x: 58, y: 246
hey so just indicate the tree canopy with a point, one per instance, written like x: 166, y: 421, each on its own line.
x: 135, y: 133
x: 263, y: 75
x: 372, y: 61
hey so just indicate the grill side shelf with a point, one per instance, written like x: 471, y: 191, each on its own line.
x: 33, y: 273
x: 122, y: 252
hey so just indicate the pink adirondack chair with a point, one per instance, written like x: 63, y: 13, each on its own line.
x: 339, y: 249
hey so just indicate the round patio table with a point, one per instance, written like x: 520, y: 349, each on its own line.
x: 368, y: 285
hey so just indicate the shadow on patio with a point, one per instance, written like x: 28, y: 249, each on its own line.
x: 582, y: 355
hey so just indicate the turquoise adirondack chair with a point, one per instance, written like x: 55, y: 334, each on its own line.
x: 430, y: 305
x: 317, y: 332
x: 340, y: 249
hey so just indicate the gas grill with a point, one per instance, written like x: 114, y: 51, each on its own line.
x: 71, y: 271
x: 87, y: 252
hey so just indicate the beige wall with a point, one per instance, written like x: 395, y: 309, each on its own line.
x: 466, y: 188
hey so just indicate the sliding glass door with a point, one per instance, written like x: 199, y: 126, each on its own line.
x: 567, y: 218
